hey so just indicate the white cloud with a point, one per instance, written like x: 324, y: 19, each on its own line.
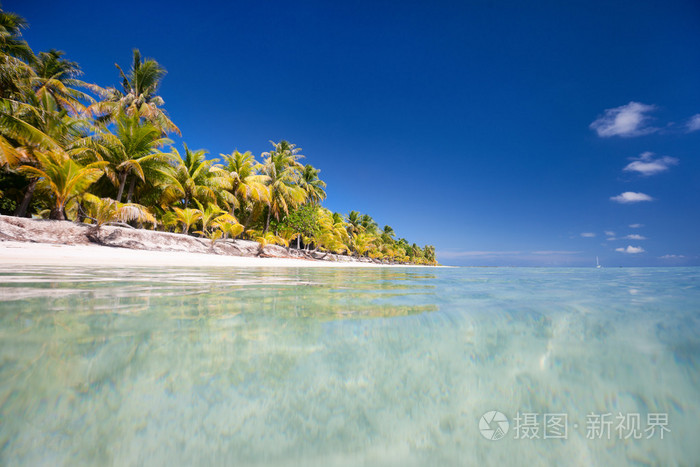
x: 694, y: 123
x: 671, y: 257
x: 626, y: 120
x: 635, y: 237
x: 631, y: 197
x: 645, y: 164
x: 588, y: 234
x: 609, y: 233
x: 631, y: 249
x: 636, y: 226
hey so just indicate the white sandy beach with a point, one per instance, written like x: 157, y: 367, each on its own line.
x: 94, y: 255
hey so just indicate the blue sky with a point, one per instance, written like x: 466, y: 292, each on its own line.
x: 497, y: 131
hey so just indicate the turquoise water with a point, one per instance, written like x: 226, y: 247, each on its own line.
x: 132, y: 366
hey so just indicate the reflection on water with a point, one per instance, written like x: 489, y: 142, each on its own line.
x: 342, y: 367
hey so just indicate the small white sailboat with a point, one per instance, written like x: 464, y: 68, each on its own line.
x: 597, y: 263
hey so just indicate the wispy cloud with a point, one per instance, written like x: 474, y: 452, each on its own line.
x: 609, y: 236
x: 635, y: 237
x: 631, y: 197
x: 636, y: 226
x: 627, y: 120
x: 694, y: 123
x: 588, y: 234
x: 631, y: 249
x: 645, y: 164
x: 671, y: 257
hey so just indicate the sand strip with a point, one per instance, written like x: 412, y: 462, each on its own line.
x: 26, y: 253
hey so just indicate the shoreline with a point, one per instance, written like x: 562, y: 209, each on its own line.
x: 51, y: 254
x: 43, y: 242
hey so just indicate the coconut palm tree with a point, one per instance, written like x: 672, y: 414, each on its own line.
x: 107, y: 211
x: 158, y: 175
x: 210, y: 218
x: 230, y: 229
x: 312, y: 185
x: 333, y: 235
x: 17, y: 135
x: 247, y: 185
x: 187, y: 217
x: 56, y: 79
x: 368, y: 224
x: 15, y: 57
x: 363, y: 242
x: 63, y: 178
x: 134, y: 144
x: 137, y: 97
x: 197, y: 178
x: 354, y: 223
x: 282, y: 167
x: 429, y: 253
x: 32, y: 126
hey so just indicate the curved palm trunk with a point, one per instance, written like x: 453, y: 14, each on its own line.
x: 21, y: 210
x: 247, y: 221
x: 132, y: 183
x: 122, y: 182
x: 267, y: 220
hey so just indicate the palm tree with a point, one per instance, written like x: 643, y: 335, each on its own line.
x: 416, y: 251
x: 368, y: 224
x: 18, y: 136
x: 363, y: 242
x: 15, y: 56
x: 197, y: 178
x: 138, y: 95
x: 429, y: 253
x: 33, y: 126
x: 187, y: 217
x: 56, y: 80
x: 354, y: 225
x: 230, y: 229
x: 282, y: 167
x: 246, y: 184
x: 134, y: 144
x: 210, y: 216
x: 333, y: 235
x: 107, y: 211
x: 158, y: 176
x: 312, y: 185
x: 63, y: 178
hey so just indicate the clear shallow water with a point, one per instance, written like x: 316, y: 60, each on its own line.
x: 343, y: 367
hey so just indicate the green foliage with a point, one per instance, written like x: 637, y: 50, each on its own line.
x: 302, y: 220
x: 7, y: 205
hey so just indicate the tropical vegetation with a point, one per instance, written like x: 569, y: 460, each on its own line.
x: 71, y: 150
